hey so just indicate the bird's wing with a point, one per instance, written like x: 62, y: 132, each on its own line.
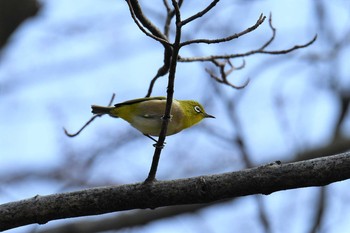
x: 134, y: 101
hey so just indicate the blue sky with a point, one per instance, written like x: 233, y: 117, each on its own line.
x: 76, y: 54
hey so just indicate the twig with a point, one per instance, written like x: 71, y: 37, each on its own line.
x: 260, y: 50
x: 162, y: 70
x: 166, y: 4
x: 200, y: 14
x: 224, y: 74
x: 137, y: 15
x: 229, y: 38
x: 276, y: 52
x: 257, y: 51
x: 273, y: 29
x: 170, y: 16
x: 81, y: 129
x: 88, y: 122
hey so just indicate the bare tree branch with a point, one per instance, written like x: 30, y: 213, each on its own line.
x: 167, y: 50
x: 215, y: 59
x: 170, y: 16
x: 260, y: 180
x: 88, y: 122
x: 229, y: 38
x: 257, y: 51
x: 224, y: 74
x: 295, y: 47
x: 320, y: 209
x: 136, y: 14
x: 201, y: 13
x: 170, y: 92
x: 127, y: 220
x: 273, y: 29
x: 260, y: 50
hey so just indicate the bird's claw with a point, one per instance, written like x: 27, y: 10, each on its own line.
x: 160, y: 147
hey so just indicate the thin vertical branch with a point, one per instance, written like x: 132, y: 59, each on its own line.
x: 170, y: 92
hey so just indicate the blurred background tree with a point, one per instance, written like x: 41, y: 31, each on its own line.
x: 71, y: 55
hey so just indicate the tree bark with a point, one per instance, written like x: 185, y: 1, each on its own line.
x: 203, y: 189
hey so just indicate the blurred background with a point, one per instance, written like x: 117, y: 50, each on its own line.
x: 59, y: 57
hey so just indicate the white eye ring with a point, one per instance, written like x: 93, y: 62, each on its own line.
x: 197, y: 109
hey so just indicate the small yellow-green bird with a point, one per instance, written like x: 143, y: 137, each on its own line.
x: 145, y: 114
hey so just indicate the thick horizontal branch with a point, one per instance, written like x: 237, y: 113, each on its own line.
x: 204, y: 189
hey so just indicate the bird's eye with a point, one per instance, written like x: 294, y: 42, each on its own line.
x: 197, y: 109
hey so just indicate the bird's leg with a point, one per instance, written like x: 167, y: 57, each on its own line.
x: 147, y: 135
x: 150, y: 137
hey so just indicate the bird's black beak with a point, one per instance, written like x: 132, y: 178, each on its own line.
x: 206, y: 115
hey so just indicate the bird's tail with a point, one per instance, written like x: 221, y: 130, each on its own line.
x: 100, y: 109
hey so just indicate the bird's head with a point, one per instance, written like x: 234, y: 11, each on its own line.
x: 194, y: 112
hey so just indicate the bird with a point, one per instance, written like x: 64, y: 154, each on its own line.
x: 146, y: 114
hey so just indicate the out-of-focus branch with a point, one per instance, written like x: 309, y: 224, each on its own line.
x: 339, y: 146
x: 204, y: 189
x: 12, y: 14
x: 170, y: 16
x: 122, y: 221
x: 222, y: 78
x: 243, y: 149
x: 320, y: 207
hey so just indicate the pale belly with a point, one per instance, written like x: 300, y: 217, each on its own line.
x: 152, y: 126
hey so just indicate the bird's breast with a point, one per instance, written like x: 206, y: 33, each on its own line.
x: 152, y: 124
